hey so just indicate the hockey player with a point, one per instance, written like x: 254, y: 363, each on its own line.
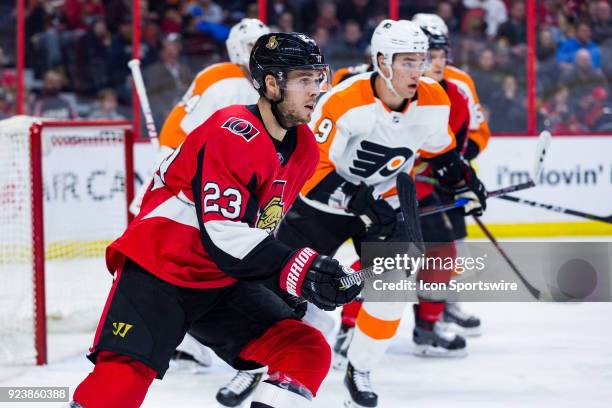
x: 199, y: 256
x: 213, y: 88
x: 478, y: 137
x: 429, y: 334
x: 369, y: 129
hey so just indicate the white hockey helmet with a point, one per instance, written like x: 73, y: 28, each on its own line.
x: 429, y: 20
x: 241, y: 38
x: 393, y: 37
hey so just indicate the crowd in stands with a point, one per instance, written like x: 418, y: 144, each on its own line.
x: 77, y: 52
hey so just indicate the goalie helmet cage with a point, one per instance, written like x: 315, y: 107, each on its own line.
x: 89, y: 150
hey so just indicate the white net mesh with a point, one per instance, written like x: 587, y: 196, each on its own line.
x: 84, y: 208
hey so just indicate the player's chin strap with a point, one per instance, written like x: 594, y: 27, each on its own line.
x: 275, y: 111
x: 274, y: 104
x: 388, y: 79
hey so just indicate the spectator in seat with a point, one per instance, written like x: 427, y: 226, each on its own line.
x: 601, y: 22
x: 349, y: 50
x: 515, y: 29
x: 276, y: 8
x: 50, y: 104
x: 208, y: 19
x: 356, y: 10
x: 583, y: 77
x: 567, y: 50
x: 321, y: 36
x: 106, y: 106
x: 171, y: 22
x: 328, y: 18
x: 445, y: 11
x: 485, y: 76
x: 547, y: 68
x: 93, y: 54
x: 120, y: 54
x: 508, y: 112
x: 80, y: 14
x: 285, y: 23
x: 167, y: 80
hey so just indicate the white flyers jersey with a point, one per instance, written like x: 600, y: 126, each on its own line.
x: 215, y: 87
x: 361, y: 140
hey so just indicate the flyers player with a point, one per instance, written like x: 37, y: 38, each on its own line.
x: 369, y: 130
x: 195, y: 257
x: 478, y: 137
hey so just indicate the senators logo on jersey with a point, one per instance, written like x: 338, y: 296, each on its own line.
x: 373, y: 157
x: 241, y: 127
x: 270, y: 216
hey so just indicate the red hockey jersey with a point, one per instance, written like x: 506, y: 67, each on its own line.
x: 459, y: 122
x: 208, y: 215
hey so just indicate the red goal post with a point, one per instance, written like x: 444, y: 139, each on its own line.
x: 64, y: 191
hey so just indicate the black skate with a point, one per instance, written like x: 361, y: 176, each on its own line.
x: 238, y: 389
x: 343, y: 341
x: 460, y: 322
x: 359, y: 388
x: 431, y: 340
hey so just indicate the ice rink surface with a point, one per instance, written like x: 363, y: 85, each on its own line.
x: 530, y: 355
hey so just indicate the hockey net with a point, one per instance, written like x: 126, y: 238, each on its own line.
x: 67, y: 179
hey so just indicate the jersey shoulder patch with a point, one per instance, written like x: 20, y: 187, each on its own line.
x: 241, y: 127
x: 356, y: 92
x: 430, y: 92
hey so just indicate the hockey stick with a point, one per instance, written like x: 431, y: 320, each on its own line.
x: 141, y: 91
x: 409, y: 217
x: 541, y: 150
x: 534, y: 292
x: 432, y: 209
x: 557, y: 209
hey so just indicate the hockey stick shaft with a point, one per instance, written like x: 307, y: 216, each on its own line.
x: 534, y: 292
x: 557, y: 209
x: 433, y: 209
x: 141, y: 91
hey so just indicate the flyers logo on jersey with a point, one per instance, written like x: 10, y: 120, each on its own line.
x: 270, y: 216
x: 372, y: 158
x: 241, y: 127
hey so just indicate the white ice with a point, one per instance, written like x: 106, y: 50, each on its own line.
x: 530, y: 355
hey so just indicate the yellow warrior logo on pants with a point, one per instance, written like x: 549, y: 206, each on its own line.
x: 121, y: 328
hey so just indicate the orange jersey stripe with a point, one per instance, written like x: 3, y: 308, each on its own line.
x: 339, y: 75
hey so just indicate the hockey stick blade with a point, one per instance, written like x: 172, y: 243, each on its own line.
x: 543, y: 145
x: 532, y: 289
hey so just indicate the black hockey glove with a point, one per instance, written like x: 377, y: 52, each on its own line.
x: 451, y: 169
x: 474, y: 191
x: 316, y: 278
x: 471, y: 151
x: 377, y: 214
